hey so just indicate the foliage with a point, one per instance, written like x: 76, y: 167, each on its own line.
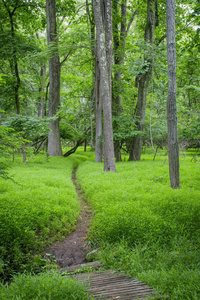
x: 143, y: 227
x: 67, y: 131
x: 49, y: 285
x: 10, y: 142
x: 124, y: 127
x: 192, y: 132
x: 42, y: 206
x: 29, y: 127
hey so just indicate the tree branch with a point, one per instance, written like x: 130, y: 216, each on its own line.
x: 131, y: 21
x: 65, y: 58
x: 78, y: 143
x: 88, y: 11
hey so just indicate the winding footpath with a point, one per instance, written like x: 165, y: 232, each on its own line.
x: 73, y: 249
x: 70, y: 255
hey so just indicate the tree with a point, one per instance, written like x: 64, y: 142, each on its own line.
x: 120, y: 32
x: 17, y: 19
x: 173, y: 150
x: 103, y: 18
x: 142, y: 80
x: 54, y: 143
x: 95, y: 93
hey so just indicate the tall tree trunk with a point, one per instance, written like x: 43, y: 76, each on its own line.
x: 119, y: 38
x: 173, y: 150
x: 118, y: 60
x: 16, y: 68
x: 95, y: 93
x: 93, y: 77
x: 54, y: 143
x: 104, y: 55
x: 119, y: 51
x: 14, y: 63
x: 98, y: 116
x: 41, y: 99
x: 143, y: 82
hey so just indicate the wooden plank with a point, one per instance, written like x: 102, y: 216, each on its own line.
x: 114, y: 285
x: 71, y: 269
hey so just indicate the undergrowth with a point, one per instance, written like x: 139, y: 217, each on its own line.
x: 145, y: 228
x: 37, y: 207
x: 50, y: 285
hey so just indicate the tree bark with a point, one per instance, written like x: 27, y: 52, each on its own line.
x: 143, y: 81
x: 119, y: 38
x: 41, y: 99
x: 14, y: 63
x: 54, y: 143
x: 98, y: 116
x: 95, y: 93
x: 173, y: 150
x: 104, y: 56
x: 16, y: 68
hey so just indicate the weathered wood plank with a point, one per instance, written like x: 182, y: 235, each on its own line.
x: 114, y: 285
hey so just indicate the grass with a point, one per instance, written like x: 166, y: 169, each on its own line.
x: 38, y: 207
x: 140, y: 226
x: 145, y: 228
x: 44, y: 286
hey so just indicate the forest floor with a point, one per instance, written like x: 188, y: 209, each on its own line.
x: 73, y: 249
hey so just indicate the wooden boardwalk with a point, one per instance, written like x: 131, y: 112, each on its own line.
x: 114, y: 285
x: 109, y: 284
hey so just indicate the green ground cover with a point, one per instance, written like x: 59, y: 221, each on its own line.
x: 140, y: 225
x: 145, y: 228
x: 44, y: 286
x: 39, y: 206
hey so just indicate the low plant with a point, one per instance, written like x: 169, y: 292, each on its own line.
x: 145, y: 228
x: 45, y: 286
x: 40, y: 206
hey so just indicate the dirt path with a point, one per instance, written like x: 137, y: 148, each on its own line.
x: 73, y: 249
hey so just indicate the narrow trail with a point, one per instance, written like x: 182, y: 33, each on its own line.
x: 70, y: 255
x: 73, y: 249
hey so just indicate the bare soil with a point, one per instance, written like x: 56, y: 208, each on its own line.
x: 73, y: 249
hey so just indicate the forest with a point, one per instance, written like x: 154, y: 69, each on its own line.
x: 110, y: 88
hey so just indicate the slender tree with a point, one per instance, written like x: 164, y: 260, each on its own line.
x: 120, y: 32
x: 11, y: 10
x: 95, y: 93
x: 103, y: 20
x: 142, y: 81
x: 173, y: 151
x: 54, y: 143
x: 98, y: 115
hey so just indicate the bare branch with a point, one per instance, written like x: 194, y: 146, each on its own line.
x: 65, y: 58
x: 78, y: 143
x: 161, y: 39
